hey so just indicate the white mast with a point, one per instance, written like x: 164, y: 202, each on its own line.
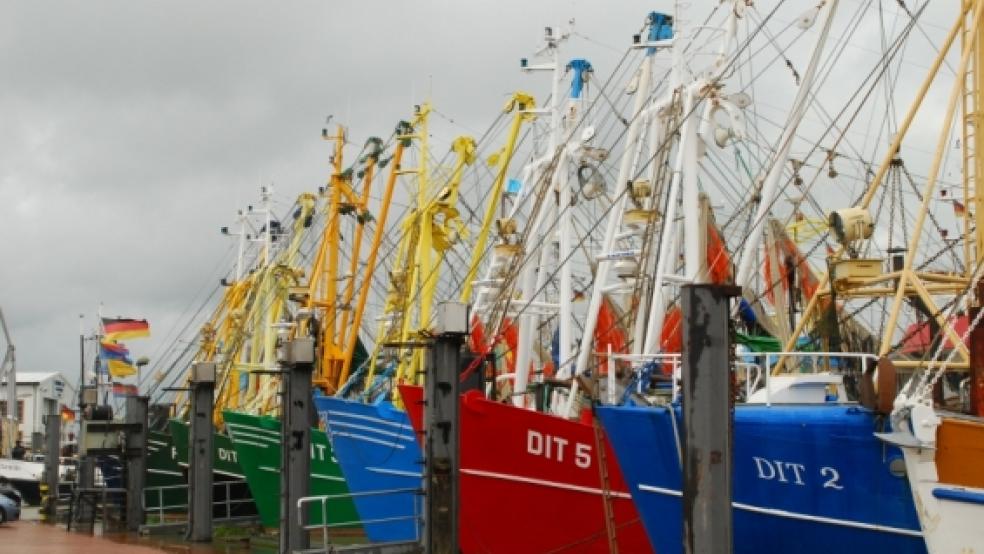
x: 627, y: 168
x: 581, y: 69
x: 770, y: 185
x: 530, y: 279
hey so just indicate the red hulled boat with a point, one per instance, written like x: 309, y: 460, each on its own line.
x: 533, y: 482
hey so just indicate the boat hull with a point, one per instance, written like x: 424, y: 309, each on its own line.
x: 163, y: 471
x: 256, y: 440
x: 25, y: 477
x: 948, y: 484
x: 809, y: 479
x: 377, y: 450
x: 225, y: 469
x: 530, y: 482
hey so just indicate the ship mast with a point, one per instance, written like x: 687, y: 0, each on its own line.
x: 973, y: 163
x: 531, y: 280
x: 631, y: 157
x: 854, y: 225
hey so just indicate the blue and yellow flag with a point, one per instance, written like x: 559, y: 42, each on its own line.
x: 115, y: 359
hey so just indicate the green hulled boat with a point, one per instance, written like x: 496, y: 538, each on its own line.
x: 257, y: 443
x: 163, y: 471
x: 225, y: 468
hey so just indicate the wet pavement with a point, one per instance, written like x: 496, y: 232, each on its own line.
x: 34, y: 537
x: 31, y: 536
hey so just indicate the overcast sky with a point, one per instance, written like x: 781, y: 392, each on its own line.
x: 133, y: 130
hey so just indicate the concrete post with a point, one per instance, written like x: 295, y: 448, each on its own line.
x: 200, y: 452
x: 136, y: 460
x: 297, y: 358
x: 52, y: 435
x: 441, y: 421
x: 707, y: 409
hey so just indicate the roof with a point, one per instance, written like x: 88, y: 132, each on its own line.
x: 27, y: 377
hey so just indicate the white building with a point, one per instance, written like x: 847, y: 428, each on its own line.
x: 40, y: 394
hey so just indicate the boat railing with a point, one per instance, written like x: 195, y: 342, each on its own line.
x: 804, y: 363
x: 749, y: 376
x: 752, y: 376
x: 753, y: 369
x: 227, y: 502
x: 305, y: 503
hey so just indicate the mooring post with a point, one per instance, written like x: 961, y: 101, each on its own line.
x: 297, y: 359
x: 441, y: 421
x: 200, y: 452
x: 707, y: 408
x: 52, y: 442
x: 136, y: 460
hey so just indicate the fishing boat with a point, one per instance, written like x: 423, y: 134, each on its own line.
x: 256, y: 440
x: 380, y: 458
x: 163, y: 473
x: 227, y: 472
x: 509, y: 453
x: 808, y: 476
x: 942, y: 437
x: 370, y: 434
x: 942, y: 454
x: 509, y: 450
x: 247, y: 400
x: 25, y: 476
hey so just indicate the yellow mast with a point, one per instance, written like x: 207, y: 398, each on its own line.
x: 262, y: 307
x: 423, y: 263
x: 324, y: 273
x: 522, y: 103
x: 973, y: 148
x: 349, y: 321
x: 403, y: 137
x: 440, y: 227
x: 907, y: 281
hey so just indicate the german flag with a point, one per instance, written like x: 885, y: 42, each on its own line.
x: 120, y: 329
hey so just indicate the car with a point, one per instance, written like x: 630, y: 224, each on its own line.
x: 10, y: 504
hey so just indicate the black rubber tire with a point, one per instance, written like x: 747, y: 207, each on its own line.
x: 3, y: 516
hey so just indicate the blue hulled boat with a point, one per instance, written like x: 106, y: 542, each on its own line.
x: 807, y: 478
x: 377, y: 449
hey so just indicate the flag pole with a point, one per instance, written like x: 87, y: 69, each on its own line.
x: 81, y: 361
x: 100, y: 390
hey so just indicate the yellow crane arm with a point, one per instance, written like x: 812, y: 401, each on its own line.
x: 521, y: 103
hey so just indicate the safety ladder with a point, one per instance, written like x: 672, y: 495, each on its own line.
x: 606, y: 491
